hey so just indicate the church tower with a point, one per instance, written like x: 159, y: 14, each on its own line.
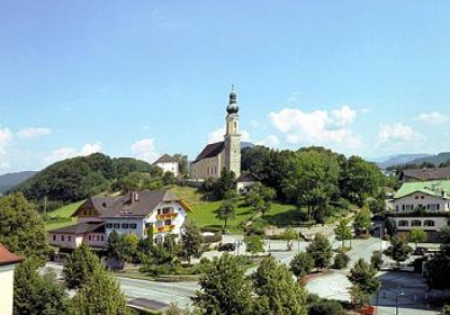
x: 232, y: 137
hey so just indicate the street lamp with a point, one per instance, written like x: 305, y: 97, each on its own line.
x: 399, y: 294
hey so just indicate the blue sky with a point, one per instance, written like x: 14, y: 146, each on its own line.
x: 142, y: 78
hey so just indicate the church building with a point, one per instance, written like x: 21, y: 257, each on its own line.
x: 225, y: 154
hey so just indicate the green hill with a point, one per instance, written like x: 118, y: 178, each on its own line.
x: 78, y: 178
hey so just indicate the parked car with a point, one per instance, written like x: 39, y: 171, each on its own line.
x: 420, y: 251
x: 227, y: 247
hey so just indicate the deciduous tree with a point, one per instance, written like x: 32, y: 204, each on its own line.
x: 254, y: 244
x: 191, y: 241
x: 226, y: 211
x: 399, y: 249
x: 417, y: 235
x: 21, y: 228
x: 343, y: 231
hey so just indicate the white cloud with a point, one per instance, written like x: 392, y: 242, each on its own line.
x: 271, y: 141
x: 70, y: 152
x: 145, y: 150
x: 344, y: 115
x: 397, y: 133
x: 6, y: 137
x: 33, y: 132
x: 217, y: 135
x: 318, y: 127
x: 433, y: 118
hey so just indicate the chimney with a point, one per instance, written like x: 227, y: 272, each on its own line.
x: 134, y: 196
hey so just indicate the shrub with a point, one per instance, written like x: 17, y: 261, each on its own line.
x: 325, y: 307
x: 341, y: 261
x: 212, y: 238
x: 302, y: 264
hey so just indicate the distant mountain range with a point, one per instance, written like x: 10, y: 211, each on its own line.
x: 10, y: 180
x: 402, y: 159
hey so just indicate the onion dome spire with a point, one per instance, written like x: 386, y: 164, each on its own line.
x: 232, y: 107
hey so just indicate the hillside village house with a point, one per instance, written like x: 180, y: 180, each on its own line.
x: 153, y: 214
x: 424, y: 205
x: 225, y: 154
x: 168, y: 164
x: 8, y: 261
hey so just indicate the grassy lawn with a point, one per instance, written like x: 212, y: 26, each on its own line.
x: 63, y: 213
x: 203, y: 212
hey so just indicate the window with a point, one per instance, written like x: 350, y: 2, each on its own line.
x: 54, y: 237
x: 428, y: 223
x: 69, y: 238
x: 403, y: 223
x: 62, y: 238
x: 98, y: 237
x: 422, y: 197
x: 167, y: 222
x: 109, y: 226
x: 167, y: 210
x: 103, y: 238
x: 117, y: 225
x: 416, y: 197
x: 416, y: 223
x: 90, y: 237
x: 438, y: 206
x: 125, y: 226
x: 133, y: 226
x: 403, y: 207
x: 396, y: 208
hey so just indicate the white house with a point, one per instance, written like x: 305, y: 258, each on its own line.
x: 8, y: 261
x: 424, y: 205
x: 145, y: 213
x: 168, y: 164
x: 245, y: 181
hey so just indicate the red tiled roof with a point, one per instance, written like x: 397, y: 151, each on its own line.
x: 8, y: 258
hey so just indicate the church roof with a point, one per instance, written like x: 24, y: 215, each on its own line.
x: 166, y: 158
x: 211, y: 150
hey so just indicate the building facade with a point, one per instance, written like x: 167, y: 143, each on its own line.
x: 8, y: 261
x: 168, y: 164
x: 153, y: 214
x: 226, y: 154
x: 424, y: 205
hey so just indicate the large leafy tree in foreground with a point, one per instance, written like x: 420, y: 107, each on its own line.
x: 277, y: 292
x: 224, y: 289
x: 363, y: 275
x: 101, y: 294
x: 36, y: 294
x: 21, y: 228
x: 79, y: 267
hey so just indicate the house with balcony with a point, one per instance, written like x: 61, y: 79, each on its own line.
x: 147, y: 213
x: 8, y: 261
x: 424, y: 205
